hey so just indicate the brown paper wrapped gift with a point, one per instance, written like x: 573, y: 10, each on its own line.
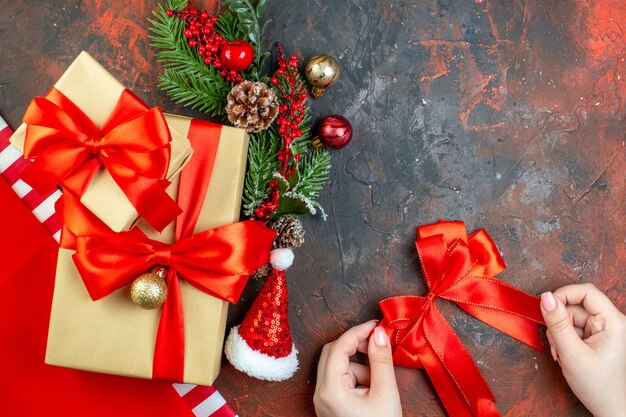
x: 113, y: 335
x: 95, y: 91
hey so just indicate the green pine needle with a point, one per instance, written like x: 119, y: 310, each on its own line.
x: 301, y: 145
x: 227, y: 26
x: 262, y: 165
x: 196, y: 92
x: 176, y: 5
x: 314, y: 170
x: 186, y: 78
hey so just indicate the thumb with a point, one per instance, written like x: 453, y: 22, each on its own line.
x: 383, y: 377
x: 566, y: 341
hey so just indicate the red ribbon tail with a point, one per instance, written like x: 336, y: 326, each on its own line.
x: 169, y: 349
x: 448, y: 392
x: 450, y: 395
x: 196, y: 176
x: 445, y: 352
x: 153, y: 203
x: 500, y: 305
x: 520, y: 328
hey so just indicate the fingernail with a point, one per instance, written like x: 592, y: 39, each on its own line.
x: 380, y: 337
x: 553, y: 351
x: 548, y: 301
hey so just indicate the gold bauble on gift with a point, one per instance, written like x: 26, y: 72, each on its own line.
x: 149, y: 290
x: 322, y: 71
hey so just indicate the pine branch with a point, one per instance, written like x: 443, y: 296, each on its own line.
x: 176, y: 5
x: 189, y: 81
x: 262, y: 165
x: 175, y: 53
x: 301, y: 145
x: 196, y: 92
x: 314, y: 170
x: 186, y: 78
x: 227, y: 26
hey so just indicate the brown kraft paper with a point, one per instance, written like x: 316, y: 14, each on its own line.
x: 113, y: 335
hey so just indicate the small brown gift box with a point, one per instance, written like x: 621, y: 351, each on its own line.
x: 95, y: 91
x: 113, y: 335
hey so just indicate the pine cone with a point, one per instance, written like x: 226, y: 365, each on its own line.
x: 290, y: 235
x: 251, y: 106
x: 263, y: 271
x: 290, y: 232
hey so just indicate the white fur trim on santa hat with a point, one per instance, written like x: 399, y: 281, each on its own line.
x: 281, y: 258
x: 257, y: 364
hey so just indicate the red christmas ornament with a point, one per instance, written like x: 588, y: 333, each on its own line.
x: 334, y: 131
x: 237, y: 55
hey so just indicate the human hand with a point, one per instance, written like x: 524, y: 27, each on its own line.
x: 348, y: 389
x: 587, y: 336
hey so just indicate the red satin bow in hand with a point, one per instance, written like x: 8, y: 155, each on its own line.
x: 460, y: 269
x: 133, y: 145
x: 217, y: 261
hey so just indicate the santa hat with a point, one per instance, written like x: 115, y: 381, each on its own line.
x: 261, y: 346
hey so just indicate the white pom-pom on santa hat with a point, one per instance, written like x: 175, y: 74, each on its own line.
x: 281, y: 258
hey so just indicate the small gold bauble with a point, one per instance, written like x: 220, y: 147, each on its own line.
x: 149, y: 290
x: 322, y: 71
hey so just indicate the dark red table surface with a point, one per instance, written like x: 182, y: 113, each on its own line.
x: 508, y: 115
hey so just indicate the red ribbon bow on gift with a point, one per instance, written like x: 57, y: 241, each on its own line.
x: 460, y: 269
x: 216, y: 261
x: 133, y: 145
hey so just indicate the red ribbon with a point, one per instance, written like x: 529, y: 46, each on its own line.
x: 217, y: 261
x: 133, y: 145
x: 460, y: 269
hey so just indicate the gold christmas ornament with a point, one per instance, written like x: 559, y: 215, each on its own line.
x: 149, y: 290
x: 251, y: 106
x: 322, y: 71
